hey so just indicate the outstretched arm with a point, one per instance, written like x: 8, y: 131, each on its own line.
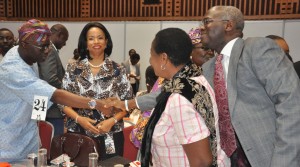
x: 144, y: 103
x: 69, y: 99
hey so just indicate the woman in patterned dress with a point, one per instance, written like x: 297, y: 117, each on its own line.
x: 97, y: 77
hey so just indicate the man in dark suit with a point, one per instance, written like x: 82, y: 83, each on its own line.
x: 263, y: 90
x: 52, y: 71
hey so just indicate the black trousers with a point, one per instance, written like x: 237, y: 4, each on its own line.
x: 135, y: 88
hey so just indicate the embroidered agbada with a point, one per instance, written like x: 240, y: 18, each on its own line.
x: 19, y: 83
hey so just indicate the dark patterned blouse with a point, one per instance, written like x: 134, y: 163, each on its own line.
x: 111, y: 81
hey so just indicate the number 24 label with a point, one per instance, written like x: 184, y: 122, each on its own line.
x: 39, y: 108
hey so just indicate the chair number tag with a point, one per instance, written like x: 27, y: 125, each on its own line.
x: 39, y: 107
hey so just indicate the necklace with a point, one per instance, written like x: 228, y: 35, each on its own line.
x: 97, y: 66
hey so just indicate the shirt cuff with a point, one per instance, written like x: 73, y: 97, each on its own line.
x: 137, y: 104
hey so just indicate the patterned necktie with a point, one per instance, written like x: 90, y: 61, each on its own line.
x: 227, y: 137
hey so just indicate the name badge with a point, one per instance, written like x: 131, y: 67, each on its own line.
x: 39, y: 107
x: 109, y: 144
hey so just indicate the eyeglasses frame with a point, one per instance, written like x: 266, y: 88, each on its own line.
x: 206, y: 21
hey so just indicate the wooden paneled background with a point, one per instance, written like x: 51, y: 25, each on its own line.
x: 137, y: 10
x: 133, y: 24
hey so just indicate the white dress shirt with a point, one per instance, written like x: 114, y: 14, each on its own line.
x: 226, y: 52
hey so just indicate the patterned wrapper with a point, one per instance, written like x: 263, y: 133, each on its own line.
x: 195, y: 35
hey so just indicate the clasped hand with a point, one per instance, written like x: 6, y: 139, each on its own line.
x: 101, y: 128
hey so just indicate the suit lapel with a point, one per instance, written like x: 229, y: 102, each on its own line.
x: 61, y: 70
x: 208, y: 71
x: 232, y: 74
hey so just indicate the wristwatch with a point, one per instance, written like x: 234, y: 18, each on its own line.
x: 92, y: 104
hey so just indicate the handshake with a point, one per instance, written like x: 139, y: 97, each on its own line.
x: 109, y: 108
x: 113, y: 105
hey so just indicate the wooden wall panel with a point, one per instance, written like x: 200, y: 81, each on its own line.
x: 2, y: 8
x: 136, y: 10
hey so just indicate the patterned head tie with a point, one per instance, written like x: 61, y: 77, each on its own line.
x: 195, y: 35
x: 34, y: 31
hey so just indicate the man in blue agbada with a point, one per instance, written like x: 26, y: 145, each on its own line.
x: 19, y: 83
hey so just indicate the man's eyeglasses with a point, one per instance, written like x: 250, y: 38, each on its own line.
x: 206, y: 21
x: 42, y: 48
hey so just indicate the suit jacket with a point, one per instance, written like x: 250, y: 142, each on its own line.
x: 264, y: 95
x: 52, y: 71
x: 148, y: 101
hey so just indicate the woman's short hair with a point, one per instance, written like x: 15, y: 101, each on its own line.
x: 82, y: 42
x: 176, y: 43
